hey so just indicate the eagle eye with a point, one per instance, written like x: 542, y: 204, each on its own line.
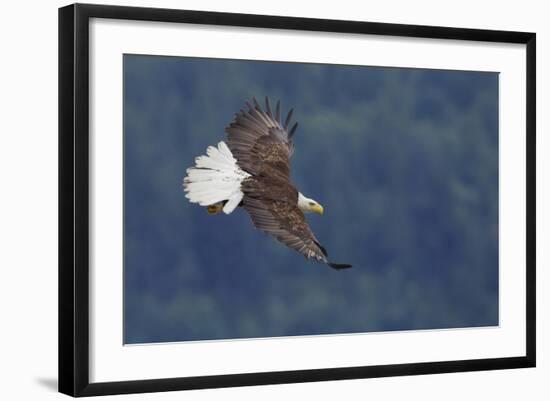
x: 311, y: 204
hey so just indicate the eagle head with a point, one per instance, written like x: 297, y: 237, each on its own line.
x: 307, y: 205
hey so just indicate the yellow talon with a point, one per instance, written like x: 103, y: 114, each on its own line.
x: 214, y: 209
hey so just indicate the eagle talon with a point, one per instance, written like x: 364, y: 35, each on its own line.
x: 214, y: 209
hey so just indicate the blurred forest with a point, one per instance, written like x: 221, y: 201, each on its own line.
x: 404, y: 161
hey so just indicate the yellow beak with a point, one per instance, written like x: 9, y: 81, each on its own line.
x: 317, y: 209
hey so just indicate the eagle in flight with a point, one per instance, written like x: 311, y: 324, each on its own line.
x: 252, y: 170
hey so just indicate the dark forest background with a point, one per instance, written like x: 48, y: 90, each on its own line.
x: 404, y: 161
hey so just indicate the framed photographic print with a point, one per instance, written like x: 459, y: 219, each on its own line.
x: 249, y: 199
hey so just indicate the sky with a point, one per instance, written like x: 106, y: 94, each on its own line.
x: 404, y: 161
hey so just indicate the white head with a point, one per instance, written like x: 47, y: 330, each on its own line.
x: 307, y: 205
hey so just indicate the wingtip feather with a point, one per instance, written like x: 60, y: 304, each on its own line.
x: 339, y: 266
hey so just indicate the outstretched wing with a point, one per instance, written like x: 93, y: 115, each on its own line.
x: 260, y: 141
x: 286, y: 223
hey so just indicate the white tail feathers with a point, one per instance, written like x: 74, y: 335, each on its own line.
x: 216, y: 177
x: 233, y: 202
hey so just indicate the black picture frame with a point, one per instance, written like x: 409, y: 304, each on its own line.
x: 74, y: 198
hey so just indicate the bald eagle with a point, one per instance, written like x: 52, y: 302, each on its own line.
x: 252, y: 170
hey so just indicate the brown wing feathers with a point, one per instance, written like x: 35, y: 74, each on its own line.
x: 256, y: 138
x: 287, y: 224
